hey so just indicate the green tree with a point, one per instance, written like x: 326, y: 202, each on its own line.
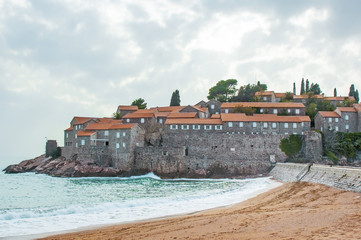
x: 315, y: 88
x: 140, y: 102
x: 117, y: 115
x: 223, y: 91
x: 302, y: 87
x: 249, y: 111
x: 294, y: 88
x: 288, y: 97
x: 246, y: 93
x: 292, y: 145
x: 307, y: 86
x: 357, y: 97
x: 175, y: 99
x: 352, y: 90
x: 335, y: 92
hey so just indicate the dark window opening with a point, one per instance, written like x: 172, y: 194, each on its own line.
x: 107, y: 143
x: 186, y: 151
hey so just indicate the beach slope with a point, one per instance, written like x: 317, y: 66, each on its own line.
x: 291, y: 211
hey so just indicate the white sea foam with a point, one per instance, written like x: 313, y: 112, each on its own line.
x: 16, y: 222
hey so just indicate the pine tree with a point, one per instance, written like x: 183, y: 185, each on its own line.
x: 335, y: 92
x: 294, y: 88
x: 302, y: 87
x: 352, y: 91
x: 307, y: 86
x: 175, y: 99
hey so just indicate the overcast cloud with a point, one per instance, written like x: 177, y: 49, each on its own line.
x: 60, y: 59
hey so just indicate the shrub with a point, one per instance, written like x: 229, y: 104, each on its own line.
x: 292, y: 145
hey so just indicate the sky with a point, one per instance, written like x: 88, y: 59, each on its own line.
x: 66, y: 58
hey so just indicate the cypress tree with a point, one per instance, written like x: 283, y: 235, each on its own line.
x: 357, y: 97
x: 307, y: 86
x: 335, y: 92
x: 302, y: 87
x: 175, y: 99
x: 352, y: 91
x: 294, y: 88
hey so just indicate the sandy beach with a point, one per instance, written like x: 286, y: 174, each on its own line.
x: 291, y: 211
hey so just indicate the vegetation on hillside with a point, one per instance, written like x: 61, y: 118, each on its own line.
x: 175, y: 99
x: 291, y: 145
x: 223, y: 91
x: 140, y: 102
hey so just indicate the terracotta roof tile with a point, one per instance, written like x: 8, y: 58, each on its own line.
x: 98, y: 126
x: 263, y: 104
x: 123, y: 126
x: 280, y: 95
x: 85, y: 133
x: 69, y: 129
x: 305, y: 96
x: 183, y: 115
x: 215, y: 116
x: 329, y: 114
x: 264, y: 93
x: 161, y: 114
x: 127, y: 108
x: 357, y: 107
x: 200, y: 121
x: 170, y: 109
x: 81, y: 120
x: 346, y: 109
x: 151, y: 110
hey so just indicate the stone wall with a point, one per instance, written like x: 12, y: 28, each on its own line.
x: 346, y: 178
x: 50, y: 147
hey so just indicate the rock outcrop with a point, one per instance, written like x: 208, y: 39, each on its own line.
x: 60, y: 167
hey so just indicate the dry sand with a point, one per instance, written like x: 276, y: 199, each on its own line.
x: 292, y: 211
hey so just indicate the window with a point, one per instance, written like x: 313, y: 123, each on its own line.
x: 274, y: 111
x: 302, y: 124
x: 76, y: 144
x: 82, y: 142
x: 67, y: 135
x: 254, y: 124
x: 264, y: 98
x: 218, y: 127
x: 124, y: 134
x: 240, y: 124
x: 286, y: 125
x: 336, y: 119
x: 347, y: 127
x: 76, y: 135
x: 196, y: 127
x: 261, y: 110
x: 185, y: 127
x: 207, y: 127
x: 274, y: 125
x: 329, y: 120
x: 118, y: 134
x: 106, y: 133
x: 173, y: 127
x: 160, y: 120
x: 294, y: 125
x: 142, y: 120
x: 288, y: 110
x: 336, y: 128
x: 212, y: 106
x: 76, y: 127
x: 124, y: 145
x: 117, y: 145
x: 226, y: 111
x: 346, y: 117
x: 297, y: 111
x: 230, y: 124
x: 128, y: 120
x: 265, y: 125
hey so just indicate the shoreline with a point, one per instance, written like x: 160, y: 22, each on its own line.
x: 302, y: 209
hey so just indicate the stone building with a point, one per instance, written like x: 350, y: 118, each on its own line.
x: 286, y: 108
x: 343, y: 119
x: 142, y: 116
x: 266, y: 96
x: 125, y: 109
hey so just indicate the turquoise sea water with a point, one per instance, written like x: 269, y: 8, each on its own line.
x: 36, y: 204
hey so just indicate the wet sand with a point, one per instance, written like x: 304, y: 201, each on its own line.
x: 291, y: 211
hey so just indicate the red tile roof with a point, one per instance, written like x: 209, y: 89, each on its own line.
x: 170, y: 109
x: 346, y: 109
x: 151, y: 110
x: 305, y: 96
x: 123, y: 126
x: 81, y: 120
x: 329, y: 114
x: 338, y: 98
x: 241, y: 117
x: 264, y: 93
x: 215, y: 116
x: 357, y: 107
x: 69, y: 129
x: 98, y: 126
x: 161, y: 114
x: 263, y: 104
x: 85, y: 133
x: 127, y: 108
x: 200, y: 121
x: 183, y: 115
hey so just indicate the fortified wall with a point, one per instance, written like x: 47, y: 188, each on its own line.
x: 215, y: 154
x: 346, y: 178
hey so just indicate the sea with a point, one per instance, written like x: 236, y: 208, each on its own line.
x: 32, y: 205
